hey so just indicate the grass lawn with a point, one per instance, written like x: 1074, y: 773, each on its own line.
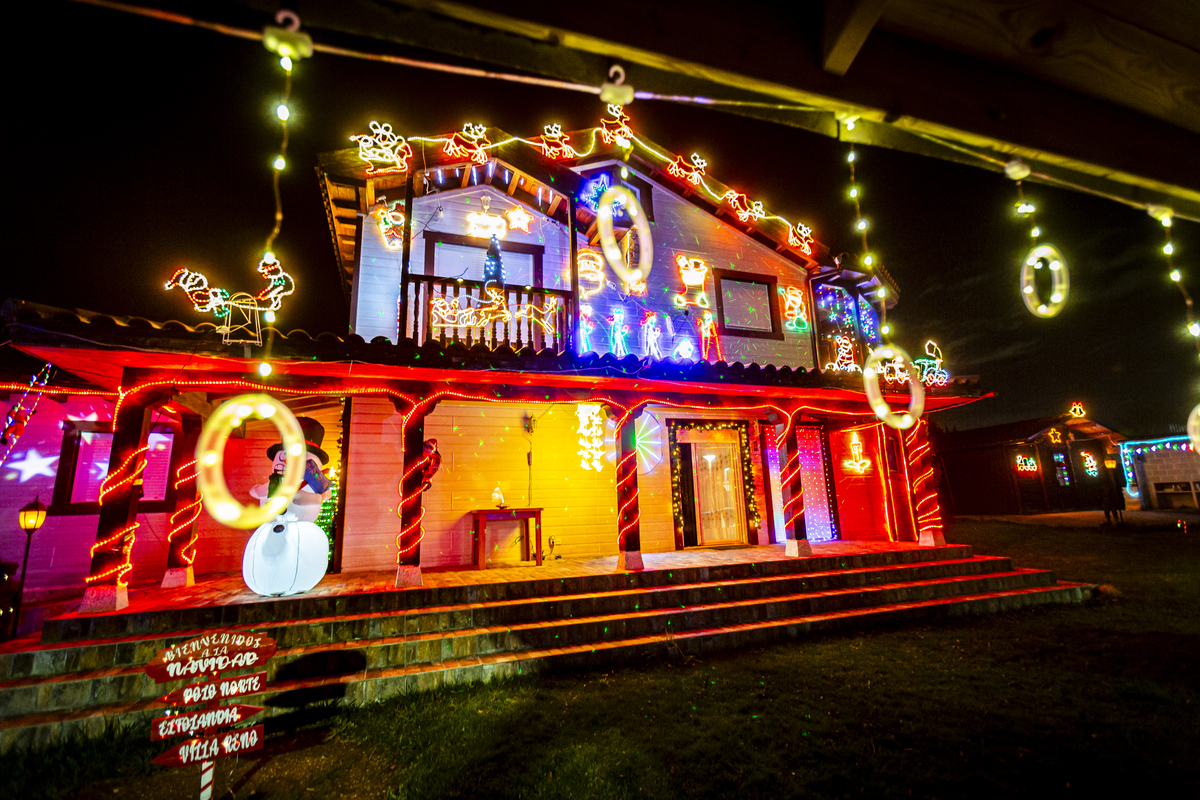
x: 1101, y: 700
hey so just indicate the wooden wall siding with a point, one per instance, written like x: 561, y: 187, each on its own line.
x: 377, y: 280
x: 483, y: 445
x: 373, y: 475
x: 681, y: 228
x: 375, y: 292
x: 658, y: 521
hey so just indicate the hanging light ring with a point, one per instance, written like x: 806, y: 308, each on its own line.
x: 876, y: 361
x: 1049, y: 257
x: 608, y: 240
x: 210, y: 459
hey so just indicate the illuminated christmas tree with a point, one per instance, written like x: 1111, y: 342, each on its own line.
x: 329, y: 509
x: 493, y: 264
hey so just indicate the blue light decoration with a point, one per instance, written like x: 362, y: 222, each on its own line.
x: 586, y: 328
x: 591, y: 191
x: 837, y: 314
x: 1060, y: 470
x: 617, y: 333
x: 868, y: 322
x: 1129, y: 449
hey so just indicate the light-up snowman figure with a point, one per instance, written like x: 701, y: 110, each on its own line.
x: 289, y: 554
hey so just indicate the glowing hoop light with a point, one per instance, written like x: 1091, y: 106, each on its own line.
x: 1193, y: 427
x: 1060, y: 285
x: 608, y: 241
x: 210, y: 460
x: 876, y: 362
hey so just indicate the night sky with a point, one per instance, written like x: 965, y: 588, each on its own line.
x: 144, y: 146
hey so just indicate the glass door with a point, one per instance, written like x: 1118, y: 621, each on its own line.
x: 717, y: 478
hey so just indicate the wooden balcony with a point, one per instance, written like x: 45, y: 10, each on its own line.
x: 449, y: 310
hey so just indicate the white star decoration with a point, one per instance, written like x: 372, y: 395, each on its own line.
x: 34, y: 464
x: 518, y: 219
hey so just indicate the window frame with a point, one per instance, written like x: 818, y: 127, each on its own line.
x: 772, y: 284
x: 433, y: 238
x: 64, y: 481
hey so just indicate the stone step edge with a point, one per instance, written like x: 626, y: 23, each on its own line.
x: 26, y: 645
x: 966, y: 602
x: 388, y: 641
x: 929, y: 555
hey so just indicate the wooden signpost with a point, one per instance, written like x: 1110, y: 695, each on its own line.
x: 205, y: 658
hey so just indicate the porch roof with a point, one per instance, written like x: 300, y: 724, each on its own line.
x: 98, y: 347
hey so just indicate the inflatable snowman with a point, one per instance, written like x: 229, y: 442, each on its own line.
x: 289, y: 554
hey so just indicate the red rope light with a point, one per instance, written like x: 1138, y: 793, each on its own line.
x: 402, y: 551
x: 122, y: 569
x: 629, y: 474
x: 106, y: 488
x: 188, y: 551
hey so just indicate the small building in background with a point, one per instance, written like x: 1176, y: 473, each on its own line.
x: 1161, y: 473
x: 1061, y: 463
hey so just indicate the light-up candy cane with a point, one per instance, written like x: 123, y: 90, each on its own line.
x: 608, y: 241
x: 916, y: 404
x: 210, y: 460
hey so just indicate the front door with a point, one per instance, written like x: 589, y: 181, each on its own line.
x: 717, y: 482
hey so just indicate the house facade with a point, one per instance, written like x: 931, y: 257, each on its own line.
x: 697, y: 385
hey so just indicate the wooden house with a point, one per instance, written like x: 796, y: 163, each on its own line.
x: 708, y: 394
x: 1061, y: 463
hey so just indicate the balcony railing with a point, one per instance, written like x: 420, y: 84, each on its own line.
x: 453, y: 310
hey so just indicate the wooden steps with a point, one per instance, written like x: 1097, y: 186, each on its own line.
x: 51, y: 690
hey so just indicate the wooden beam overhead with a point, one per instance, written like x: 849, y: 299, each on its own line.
x: 847, y: 25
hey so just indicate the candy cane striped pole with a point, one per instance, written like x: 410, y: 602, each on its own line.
x: 206, y: 779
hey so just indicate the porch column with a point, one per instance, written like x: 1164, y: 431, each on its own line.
x: 924, y: 489
x: 410, y: 509
x: 112, y: 554
x: 797, y: 545
x: 629, y: 537
x: 181, y: 534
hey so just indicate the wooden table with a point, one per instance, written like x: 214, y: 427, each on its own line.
x: 484, y: 515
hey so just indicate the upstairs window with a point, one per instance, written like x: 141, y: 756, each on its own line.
x: 747, y: 305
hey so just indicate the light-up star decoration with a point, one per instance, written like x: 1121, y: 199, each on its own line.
x: 856, y: 463
x: 593, y: 189
x: 1055, y: 436
x: 518, y: 219
x: 32, y: 465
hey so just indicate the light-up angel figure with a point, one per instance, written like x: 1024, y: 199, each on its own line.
x: 709, y: 339
x: 383, y: 146
x: 617, y: 333
x: 844, y: 360
x: 470, y: 143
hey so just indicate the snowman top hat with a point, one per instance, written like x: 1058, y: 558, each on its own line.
x: 314, y: 435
